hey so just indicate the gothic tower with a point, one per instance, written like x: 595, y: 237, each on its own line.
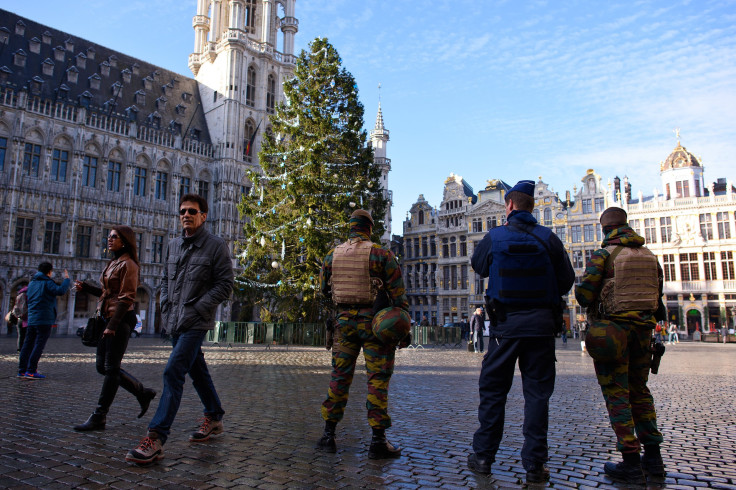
x: 379, y: 138
x: 243, y: 51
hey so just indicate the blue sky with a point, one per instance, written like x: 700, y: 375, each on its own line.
x: 494, y: 89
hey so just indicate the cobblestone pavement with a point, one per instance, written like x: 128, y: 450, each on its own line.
x: 272, y: 398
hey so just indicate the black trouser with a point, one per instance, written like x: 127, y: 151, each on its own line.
x: 110, y: 353
x: 536, y: 357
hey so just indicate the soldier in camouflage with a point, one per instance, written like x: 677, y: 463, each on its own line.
x: 354, y: 332
x: 618, y: 339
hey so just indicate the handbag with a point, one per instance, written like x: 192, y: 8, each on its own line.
x: 93, y: 331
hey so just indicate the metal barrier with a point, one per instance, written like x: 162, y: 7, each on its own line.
x: 267, y: 334
x: 313, y: 334
x: 435, y: 336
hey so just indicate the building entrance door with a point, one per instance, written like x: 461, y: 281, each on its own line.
x: 693, y: 321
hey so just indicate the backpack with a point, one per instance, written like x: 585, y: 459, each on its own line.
x: 20, y: 310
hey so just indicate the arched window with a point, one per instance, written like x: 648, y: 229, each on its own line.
x: 271, y: 94
x: 250, y: 87
x: 547, y: 217
x: 249, y: 132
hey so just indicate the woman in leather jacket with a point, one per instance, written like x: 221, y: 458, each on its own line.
x: 117, y: 306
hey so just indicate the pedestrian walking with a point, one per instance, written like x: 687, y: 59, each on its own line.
x: 528, y: 271
x: 674, y: 338
x: 199, y: 276
x: 41, y: 301
x: 477, y: 325
x: 357, y: 275
x: 622, y: 291
x: 116, y: 305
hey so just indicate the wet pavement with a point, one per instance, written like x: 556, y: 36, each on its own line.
x: 272, y: 398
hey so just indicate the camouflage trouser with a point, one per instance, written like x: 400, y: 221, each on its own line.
x: 628, y: 400
x: 379, y: 362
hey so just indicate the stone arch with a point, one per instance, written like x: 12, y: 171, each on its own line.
x: 143, y: 160
x: 116, y: 153
x: 35, y: 135
x: 63, y: 140
x: 163, y: 165
x: 93, y: 148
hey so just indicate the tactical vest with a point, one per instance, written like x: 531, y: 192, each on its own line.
x: 630, y: 282
x: 521, y: 273
x: 350, y: 282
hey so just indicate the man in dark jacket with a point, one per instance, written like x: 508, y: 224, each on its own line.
x: 41, y: 300
x: 528, y: 271
x: 199, y: 276
x: 618, y: 338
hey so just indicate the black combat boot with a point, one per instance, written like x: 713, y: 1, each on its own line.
x: 327, y: 442
x: 143, y: 395
x: 627, y: 471
x: 652, y: 462
x: 96, y: 421
x: 381, y: 448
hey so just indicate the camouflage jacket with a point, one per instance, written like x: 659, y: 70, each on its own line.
x: 590, y: 287
x: 383, y: 265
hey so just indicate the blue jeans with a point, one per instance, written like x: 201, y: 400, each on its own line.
x: 186, y: 357
x: 33, y: 345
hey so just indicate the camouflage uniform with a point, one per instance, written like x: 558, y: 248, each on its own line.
x: 354, y: 324
x: 624, y: 380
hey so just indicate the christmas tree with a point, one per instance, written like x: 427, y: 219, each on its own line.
x: 316, y: 168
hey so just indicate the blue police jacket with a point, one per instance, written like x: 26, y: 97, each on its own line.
x: 532, y: 314
x: 42, y: 293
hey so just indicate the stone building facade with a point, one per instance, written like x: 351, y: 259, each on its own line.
x: 690, y: 227
x: 91, y: 137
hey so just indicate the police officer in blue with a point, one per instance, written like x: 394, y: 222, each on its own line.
x: 528, y: 271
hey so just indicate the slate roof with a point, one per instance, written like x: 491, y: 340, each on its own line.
x: 107, y: 81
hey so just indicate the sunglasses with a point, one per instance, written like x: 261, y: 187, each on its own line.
x: 113, y: 237
x: 191, y: 211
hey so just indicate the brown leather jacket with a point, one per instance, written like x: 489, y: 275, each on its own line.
x: 119, y: 285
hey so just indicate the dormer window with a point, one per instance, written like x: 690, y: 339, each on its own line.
x: 166, y: 89
x: 72, y: 74
x: 19, y: 58
x: 136, y: 69
x: 109, y: 105
x: 132, y: 113
x: 148, y: 83
x: 105, y: 69
x: 47, y: 67
x: 20, y: 28
x: 36, y: 84
x: 140, y: 97
x: 175, y: 127
x: 34, y: 45
x: 94, y: 81
x: 126, y: 74
x: 46, y: 37
x: 117, y: 89
x: 154, y: 119
x: 91, y: 52
x: 69, y: 44
x: 85, y: 98
x: 82, y: 61
x: 161, y: 103
x: 113, y: 61
x: 59, y: 53
x: 5, y: 73
x: 186, y: 96
x: 63, y: 92
x: 195, y: 133
x: 180, y: 109
x: 4, y: 35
